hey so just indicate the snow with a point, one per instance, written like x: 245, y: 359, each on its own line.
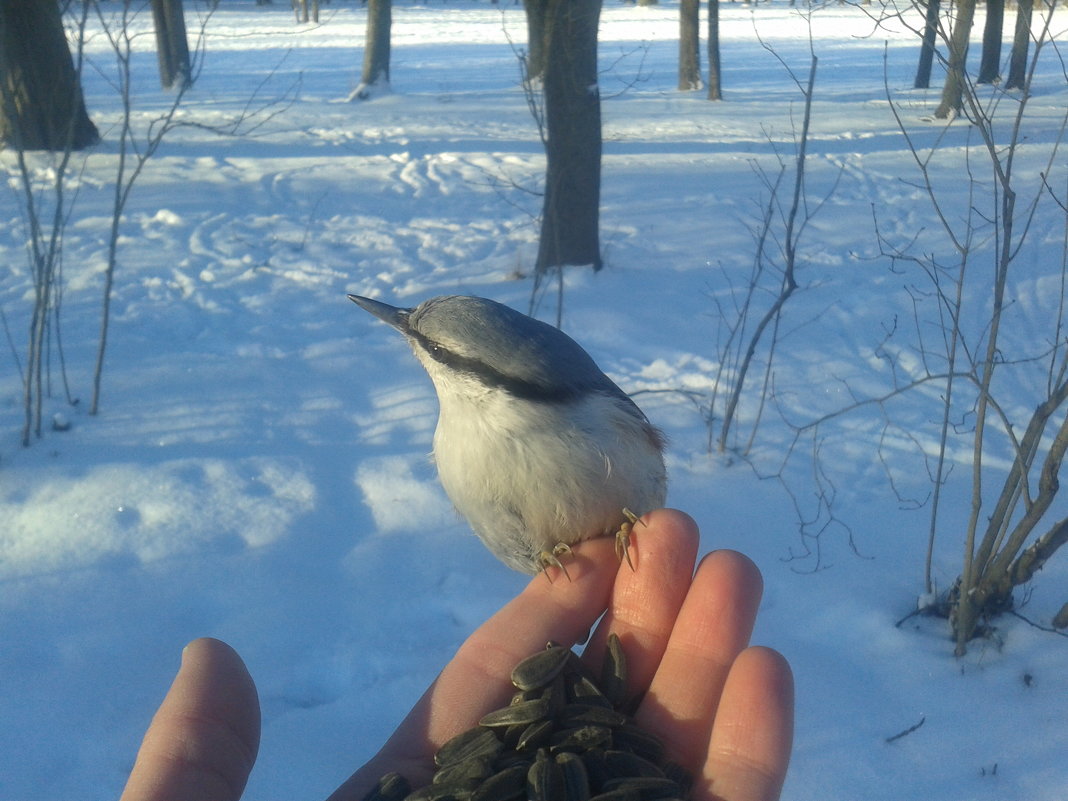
x: 258, y: 470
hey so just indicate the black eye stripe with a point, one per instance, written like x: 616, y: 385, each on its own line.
x: 518, y: 387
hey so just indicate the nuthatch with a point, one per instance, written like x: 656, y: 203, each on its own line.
x: 534, y: 445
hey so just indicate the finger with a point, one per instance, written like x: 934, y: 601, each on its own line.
x: 476, y: 680
x: 712, y: 628
x: 203, y: 741
x: 753, y: 733
x: 646, y: 600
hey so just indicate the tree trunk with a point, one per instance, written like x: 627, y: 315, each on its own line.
x: 571, y: 209
x: 300, y: 10
x: 689, y: 45
x: 172, y: 46
x: 927, y: 50
x: 990, y: 63
x: 953, y: 89
x: 41, y: 103
x: 1020, y: 42
x: 714, y: 90
x: 376, y: 49
x: 537, y: 12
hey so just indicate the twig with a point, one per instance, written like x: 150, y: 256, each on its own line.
x: 907, y: 731
x: 789, y: 281
x: 1039, y: 626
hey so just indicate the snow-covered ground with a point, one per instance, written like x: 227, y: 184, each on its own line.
x: 258, y: 470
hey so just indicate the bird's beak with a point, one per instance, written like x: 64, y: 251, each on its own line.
x: 395, y: 316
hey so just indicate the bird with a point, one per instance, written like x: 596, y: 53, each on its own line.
x: 534, y: 445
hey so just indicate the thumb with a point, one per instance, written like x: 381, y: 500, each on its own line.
x: 203, y: 740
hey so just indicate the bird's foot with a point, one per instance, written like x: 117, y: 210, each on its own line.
x: 547, y: 559
x: 623, y: 536
x: 551, y: 558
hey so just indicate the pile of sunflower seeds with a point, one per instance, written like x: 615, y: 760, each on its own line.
x: 563, y: 737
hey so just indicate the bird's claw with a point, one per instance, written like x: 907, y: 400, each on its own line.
x: 547, y: 559
x: 551, y: 558
x: 623, y: 536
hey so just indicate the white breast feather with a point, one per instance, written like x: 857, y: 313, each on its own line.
x: 496, y: 454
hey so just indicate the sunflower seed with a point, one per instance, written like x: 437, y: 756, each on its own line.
x: 509, y: 759
x: 439, y: 792
x: 524, y: 712
x: 625, y: 763
x: 476, y: 742
x: 535, y: 735
x: 581, y: 738
x: 469, y: 773
x: 590, y: 714
x: 556, y: 696
x: 525, y: 695
x: 582, y: 690
x: 545, y: 780
x: 643, y: 743
x: 596, y: 768
x: 563, y: 737
x: 620, y: 794
x: 678, y: 774
x: 648, y: 787
x: 391, y: 787
x: 614, y: 672
x: 541, y: 668
x: 505, y: 785
x: 576, y: 781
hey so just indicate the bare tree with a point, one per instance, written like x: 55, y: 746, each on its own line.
x: 300, y: 10
x: 537, y: 14
x: 48, y: 209
x: 572, y: 105
x: 927, y: 49
x: 794, y: 216
x: 953, y: 88
x: 59, y: 128
x: 1021, y: 40
x: 137, y: 144
x: 132, y: 157
x: 42, y: 106
x: 689, y: 45
x: 1006, y: 544
x: 172, y: 44
x: 990, y: 61
x: 715, y: 90
x: 376, y: 49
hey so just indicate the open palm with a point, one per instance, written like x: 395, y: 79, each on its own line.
x: 724, y: 710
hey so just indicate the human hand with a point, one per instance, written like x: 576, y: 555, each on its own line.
x: 723, y: 710
x: 203, y: 740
